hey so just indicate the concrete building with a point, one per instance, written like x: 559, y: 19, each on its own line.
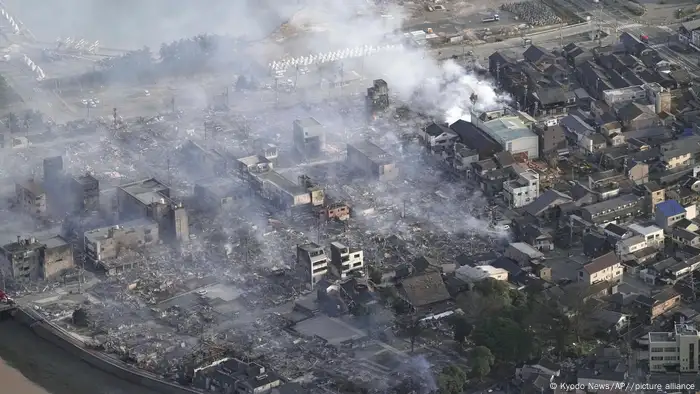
x: 150, y: 199
x: 309, y: 137
x: 630, y: 245
x: 523, y: 190
x: 606, y: 268
x: 254, y: 164
x: 313, y: 261
x: 216, y: 194
x: 372, y: 160
x: 103, y: 245
x: 86, y: 192
x: 509, y: 131
x: 668, y: 213
x: 280, y: 191
x: 31, y: 260
x: 344, y: 260
x: 30, y: 197
x: 624, y: 95
x: 653, y: 235
x: 316, y: 192
x: 53, y: 170
x: 468, y: 273
x: 677, y: 350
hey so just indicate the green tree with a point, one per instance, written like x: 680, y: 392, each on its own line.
x: 462, y: 328
x: 451, y: 380
x: 507, y: 340
x: 482, y: 361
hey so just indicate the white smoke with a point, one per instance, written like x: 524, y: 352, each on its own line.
x: 439, y: 89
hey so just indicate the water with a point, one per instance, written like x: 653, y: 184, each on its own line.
x: 131, y: 24
x: 30, y: 365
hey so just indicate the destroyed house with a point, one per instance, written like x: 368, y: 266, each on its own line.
x: 229, y: 376
x: 151, y: 199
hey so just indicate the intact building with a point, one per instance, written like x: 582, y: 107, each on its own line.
x: 344, y: 260
x: 280, y: 191
x: 309, y: 137
x: 53, y: 170
x: 523, y: 190
x: 30, y: 196
x: 86, y: 190
x: 313, y: 260
x: 510, y: 131
x: 677, y: 350
x: 103, y: 245
x: 31, y: 260
x: 151, y: 199
x: 372, y: 160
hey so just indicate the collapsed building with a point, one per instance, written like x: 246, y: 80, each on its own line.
x: 150, y: 199
x: 377, y: 99
x: 231, y: 375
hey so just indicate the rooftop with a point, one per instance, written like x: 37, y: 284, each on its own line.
x: 307, y: 122
x: 101, y: 234
x: 598, y: 264
x: 147, y: 191
x: 423, y: 290
x: 507, y: 128
x: 372, y: 151
x: 670, y: 208
x: 54, y: 242
x: 281, y: 182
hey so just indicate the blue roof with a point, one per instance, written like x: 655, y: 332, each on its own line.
x: 670, y: 208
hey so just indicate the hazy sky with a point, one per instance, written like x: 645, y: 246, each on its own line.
x: 133, y: 23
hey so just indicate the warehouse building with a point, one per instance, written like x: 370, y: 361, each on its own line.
x: 372, y: 160
x: 510, y: 131
x: 150, y: 199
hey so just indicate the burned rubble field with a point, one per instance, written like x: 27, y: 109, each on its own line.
x: 225, y: 292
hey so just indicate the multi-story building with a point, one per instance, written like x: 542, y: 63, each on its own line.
x: 30, y: 197
x: 372, y: 160
x: 280, y: 191
x: 675, y: 350
x: 616, y: 209
x: 606, y: 268
x: 510, y: 131
x: 103, y: 245
x: 344, y: 260
x: 86, y: 190
x: 438, y: 137
x: 653, y: 235
x: 313, y: 260
x: 30, y: 259
x: 309, y: 137
x: 668, y: 213
x: 150, y: 199
x: 523, y: 190
x: 219, y: 193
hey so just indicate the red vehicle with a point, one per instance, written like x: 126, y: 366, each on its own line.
x: 4, y: 298
x: 644, y: 38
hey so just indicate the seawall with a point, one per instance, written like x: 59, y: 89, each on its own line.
x: 56, y: 335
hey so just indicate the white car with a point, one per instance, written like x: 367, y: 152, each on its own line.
x: 146, y: 93
x: 202, y: 292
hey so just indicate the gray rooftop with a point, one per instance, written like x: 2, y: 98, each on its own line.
x: 283, y: 183
x: 612, y: 204
x: 147, y: 191
x: 307, y: 122
x: 100, y: 234
x: 507, y: 128
x: 372, y: 151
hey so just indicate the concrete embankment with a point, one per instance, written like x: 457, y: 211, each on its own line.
x: 57, y: 336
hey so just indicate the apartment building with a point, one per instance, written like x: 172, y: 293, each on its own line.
x: 604, y: 268
x: 345, y: 261
x: 31, y: 259
x: 675, y: 350
x: 313, y: 260
x: 523, y: 190
x: 30, y: 197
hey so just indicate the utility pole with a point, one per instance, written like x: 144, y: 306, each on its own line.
x: 114, y: 115
x: 296, y: 77
x: 172, y: 104
x: 169, y: 173
x: 561, y: 35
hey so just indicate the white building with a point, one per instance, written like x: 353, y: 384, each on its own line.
x: 479, y: 273
x: 510, y: 131
x: 653, y: 235
x: 523, y: 190
x: 630, y: 245
x: 438, y: 137
x: 344, y: 261
x: 677, y: 349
